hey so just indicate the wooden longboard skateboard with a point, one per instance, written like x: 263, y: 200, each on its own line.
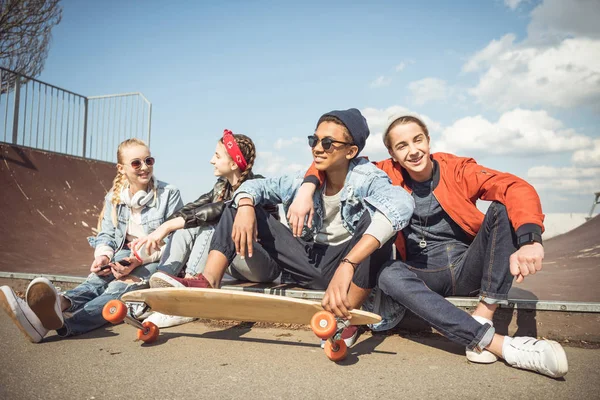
x: 224, y: 304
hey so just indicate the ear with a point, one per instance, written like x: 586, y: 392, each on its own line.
x: 352, y: 152
x: 121, y: 169
x: 233, y: 166
x: 391, y: 153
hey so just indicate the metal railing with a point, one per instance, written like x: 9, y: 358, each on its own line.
x: 43, y: 116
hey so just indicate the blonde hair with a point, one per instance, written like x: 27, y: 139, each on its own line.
x: 248, y: 150
x: 121, y: 180
x: 406, y: 119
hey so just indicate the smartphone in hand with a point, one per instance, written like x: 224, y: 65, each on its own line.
x: 123, y: 262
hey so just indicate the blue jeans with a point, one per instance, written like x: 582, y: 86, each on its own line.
x: 482, y: 269
x: 88, y: 299
x: 190, y: 248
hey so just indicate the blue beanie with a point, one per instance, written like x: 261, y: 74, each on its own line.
x: 354, y: 122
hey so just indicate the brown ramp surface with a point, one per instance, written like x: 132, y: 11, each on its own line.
x: 571, y: 268
x: 50, y: 202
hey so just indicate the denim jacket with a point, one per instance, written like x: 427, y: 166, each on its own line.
x: 366, y: 188
x: 167, y: 201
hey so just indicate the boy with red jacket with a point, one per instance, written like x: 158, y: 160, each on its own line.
x: 450, y: 248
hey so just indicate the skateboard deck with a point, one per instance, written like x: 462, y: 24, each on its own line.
x: 236, y: 305
x: 233, y: 305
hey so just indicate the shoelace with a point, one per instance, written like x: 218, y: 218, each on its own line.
x: 529, y: 357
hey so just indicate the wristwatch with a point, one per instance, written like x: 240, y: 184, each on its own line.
x: 528, y: 238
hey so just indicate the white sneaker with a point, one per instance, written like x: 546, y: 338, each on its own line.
x: 485, y: 357
x: 22, y: 316
x: 44, y: 301
x: 166, y: 321
x: 544, y: 356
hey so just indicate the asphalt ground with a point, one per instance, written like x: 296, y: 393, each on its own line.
x: 225, y: 361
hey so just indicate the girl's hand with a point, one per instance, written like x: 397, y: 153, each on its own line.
x: 153, y: 242
x: 301, y: 207
x: 97, y: 265
x: 120, y: 271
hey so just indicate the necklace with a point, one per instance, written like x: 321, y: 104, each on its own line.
x: 423, y: 242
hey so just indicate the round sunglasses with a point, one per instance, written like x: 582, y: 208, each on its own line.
x: 136, y: 163
x: 327, y: 142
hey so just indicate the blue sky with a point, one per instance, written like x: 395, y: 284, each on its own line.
x: 514, y: 84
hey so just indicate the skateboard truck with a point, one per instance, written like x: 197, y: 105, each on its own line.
x: 328, y: 327
x: 116, y: 311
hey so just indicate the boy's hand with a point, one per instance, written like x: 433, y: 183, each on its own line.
x: 120, y: 271
x: 300, y: 208
x: 336, y: 296
x: 244, y: 231
x: 97, y: 265
x: 526, y: 261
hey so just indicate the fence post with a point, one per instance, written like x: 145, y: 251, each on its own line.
x: 85, y: 123
x: 149, y: 122
x: 16, y: 109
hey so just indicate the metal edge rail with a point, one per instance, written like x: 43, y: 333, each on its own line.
x: 516, y: 304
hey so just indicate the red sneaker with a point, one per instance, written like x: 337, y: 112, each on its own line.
x: 162, y: 280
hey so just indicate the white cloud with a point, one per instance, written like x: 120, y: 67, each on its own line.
x: 381, y: 81
x: 557, y: 19
x: 573, y: 180
x: 563, y: 75
x: 400, y: 67
x: 275, y: 164
x: 588, y: 157
x: 512, y: 4
x: 283, y: 143
x: 519, y: 131
x: 428, y: 89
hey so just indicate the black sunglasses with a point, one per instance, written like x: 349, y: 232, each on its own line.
x: 136, y: 163
x: 313, y: 140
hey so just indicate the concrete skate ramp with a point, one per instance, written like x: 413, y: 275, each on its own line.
x: 571, y: 267
x: 50, y: 202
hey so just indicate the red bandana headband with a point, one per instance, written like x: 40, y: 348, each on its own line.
x: 234, y: 150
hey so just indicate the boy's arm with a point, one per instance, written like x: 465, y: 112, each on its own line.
x: 251, y: 193
x: 265, y: 190
x: 519, y: 197
x: 522, y: 205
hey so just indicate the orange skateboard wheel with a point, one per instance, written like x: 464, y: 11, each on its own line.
x: 149, y: 334
x: 114, y: 311
x: 336, y: 355
x: 323, y: 324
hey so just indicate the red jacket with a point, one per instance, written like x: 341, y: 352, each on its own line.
x: 459, y: 182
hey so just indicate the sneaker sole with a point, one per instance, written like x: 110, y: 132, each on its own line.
x: 42, y: 299
x: 22, y: 323
x: 561, y: 359
x: 163, y: 281
x: 485, y: 357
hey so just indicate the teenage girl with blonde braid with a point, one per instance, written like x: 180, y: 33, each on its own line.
x: 136, y: 205
x: 193, y: 226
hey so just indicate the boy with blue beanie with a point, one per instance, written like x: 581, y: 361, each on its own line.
x: 357, y: 213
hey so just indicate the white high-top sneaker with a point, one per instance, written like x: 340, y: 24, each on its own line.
x: 23, y: 317
x: 544, y: 356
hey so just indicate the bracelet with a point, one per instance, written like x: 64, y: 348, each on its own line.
x: 354, y: 265
x: 246, y: 205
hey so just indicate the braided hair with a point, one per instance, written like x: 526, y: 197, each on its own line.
x: 248, y: 150
x: 120, y: 181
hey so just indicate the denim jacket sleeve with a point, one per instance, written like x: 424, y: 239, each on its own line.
x: 392, y: 201
x: 270, y: 191
x: 174, y: 203
x: 106, y: 236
